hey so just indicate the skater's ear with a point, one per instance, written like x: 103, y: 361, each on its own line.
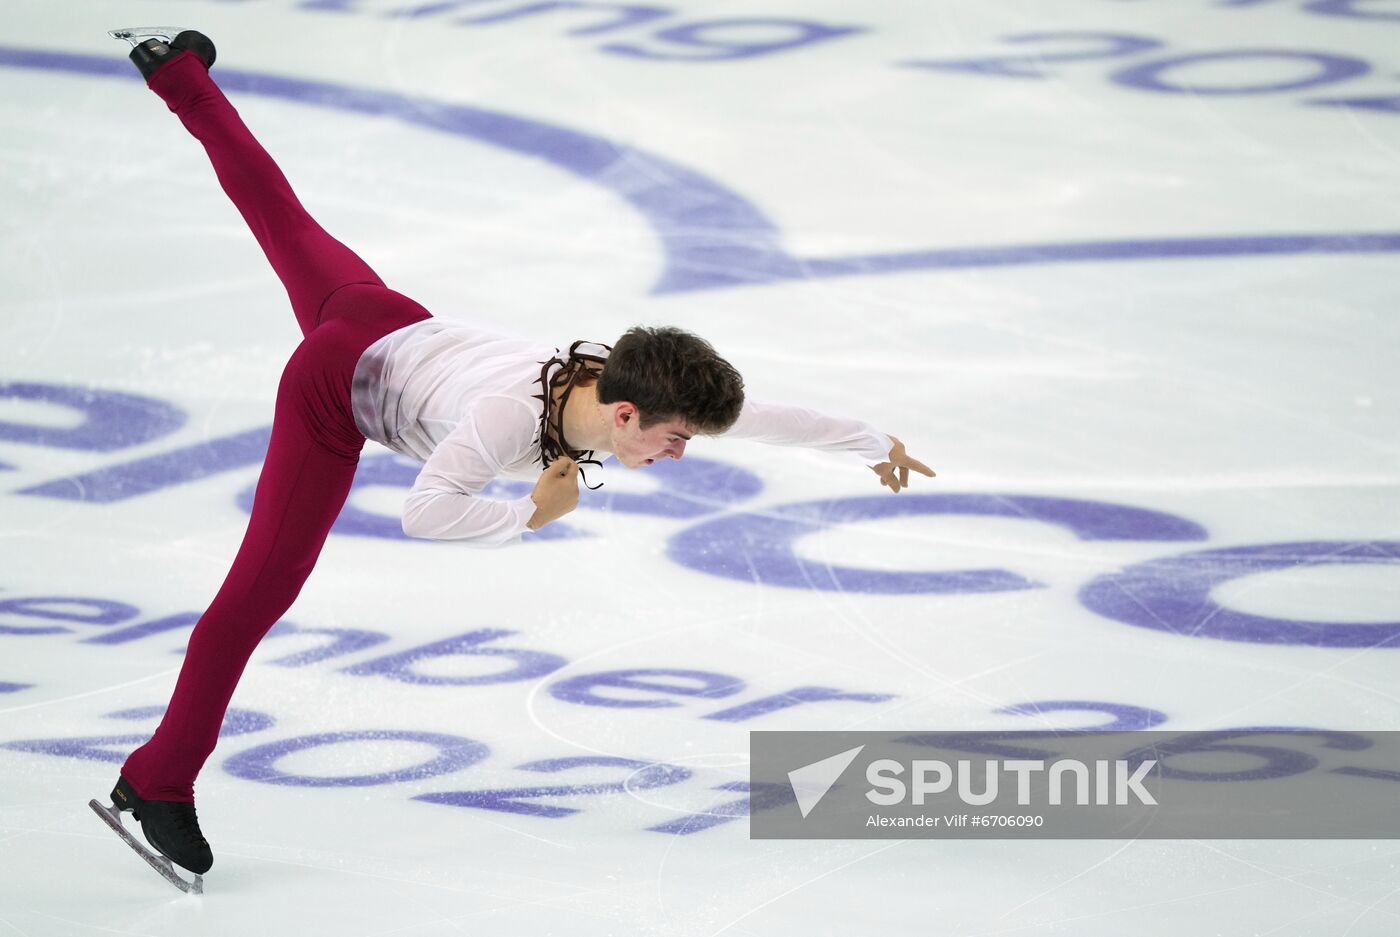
x: 626, y: 413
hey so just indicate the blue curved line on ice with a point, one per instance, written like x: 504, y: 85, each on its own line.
x: 711, y: 236
x: 1144, y: 249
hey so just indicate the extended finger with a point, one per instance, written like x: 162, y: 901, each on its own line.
x: 917, y: 466
x: 904, y: 476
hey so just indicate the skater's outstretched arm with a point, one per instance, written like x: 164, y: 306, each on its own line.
x: 781, y: 425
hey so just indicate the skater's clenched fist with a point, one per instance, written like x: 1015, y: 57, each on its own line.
x: 556, y: 493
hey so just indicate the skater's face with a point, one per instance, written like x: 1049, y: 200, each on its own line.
x: 637, y: 448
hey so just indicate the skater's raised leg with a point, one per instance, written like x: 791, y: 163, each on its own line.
x: 311, y: 264
x: 153, y: 46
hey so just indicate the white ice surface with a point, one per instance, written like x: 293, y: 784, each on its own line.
x: 1258, y: 396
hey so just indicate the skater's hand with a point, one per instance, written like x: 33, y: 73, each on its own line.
x: 894, y: 474
x: 556, y: 493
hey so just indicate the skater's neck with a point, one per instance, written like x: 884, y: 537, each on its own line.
x: 585, y: 421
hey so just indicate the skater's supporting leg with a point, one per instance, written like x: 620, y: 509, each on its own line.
x: 310, y: 263
x: 305, y: 480
x: 300, y: 492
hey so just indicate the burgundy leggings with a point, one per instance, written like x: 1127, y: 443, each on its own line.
x: 342, y: 307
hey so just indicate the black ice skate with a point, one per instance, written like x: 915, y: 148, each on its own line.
x: 171, y: 827
x: 153, y: 46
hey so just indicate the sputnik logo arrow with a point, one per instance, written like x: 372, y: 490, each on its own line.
x: 811, y: 782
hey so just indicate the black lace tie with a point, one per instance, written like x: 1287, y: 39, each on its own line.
x: 576, y: 365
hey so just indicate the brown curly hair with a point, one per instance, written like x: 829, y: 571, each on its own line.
x: 671, y: 374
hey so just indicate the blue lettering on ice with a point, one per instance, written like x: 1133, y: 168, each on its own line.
x: 1123, y: 718
x: 794, y: 697
x: 62, y: 608
x: 760, y: 547
x: 1357, y: 9
x: 626, y: 14
x: 236, y: 721
x: 1101, y: 45
x: 658, y: 683
x: 146, y: 628
x: 1321, y: 67
x: 14, y: 687
x: 1174, y: 594
x: 790, y: 34
x: 700, y: 41
x: 1377, y: 774
x: 88, y: 748
x: 527, y: 665
x: 651, y: 680
x: 639, y: 776
x: 163, y: 470
x: 97, y: 747
x: 342, y: 641
x: 1274, y: 761
x: 692, y: 487
x: 760, y: 797
x: 454, y: 752
x: 1324, y: 69
x: 111, y: 420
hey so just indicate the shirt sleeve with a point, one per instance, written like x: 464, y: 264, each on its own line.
x: 781, y: 425
x: 445, y: 502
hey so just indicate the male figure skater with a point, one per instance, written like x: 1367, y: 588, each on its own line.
x: 469, y: 404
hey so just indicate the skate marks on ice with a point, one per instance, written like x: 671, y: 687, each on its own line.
x: 113, y: 818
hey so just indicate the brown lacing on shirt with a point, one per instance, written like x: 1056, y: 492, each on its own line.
x: 551, y: 439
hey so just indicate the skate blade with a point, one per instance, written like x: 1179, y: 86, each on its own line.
x: 139, y: 34
x: 113, y: 818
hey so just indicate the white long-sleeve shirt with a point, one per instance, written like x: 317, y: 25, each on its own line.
x: 464, y: 401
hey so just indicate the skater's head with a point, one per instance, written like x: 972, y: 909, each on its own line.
x: 662, y: 386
